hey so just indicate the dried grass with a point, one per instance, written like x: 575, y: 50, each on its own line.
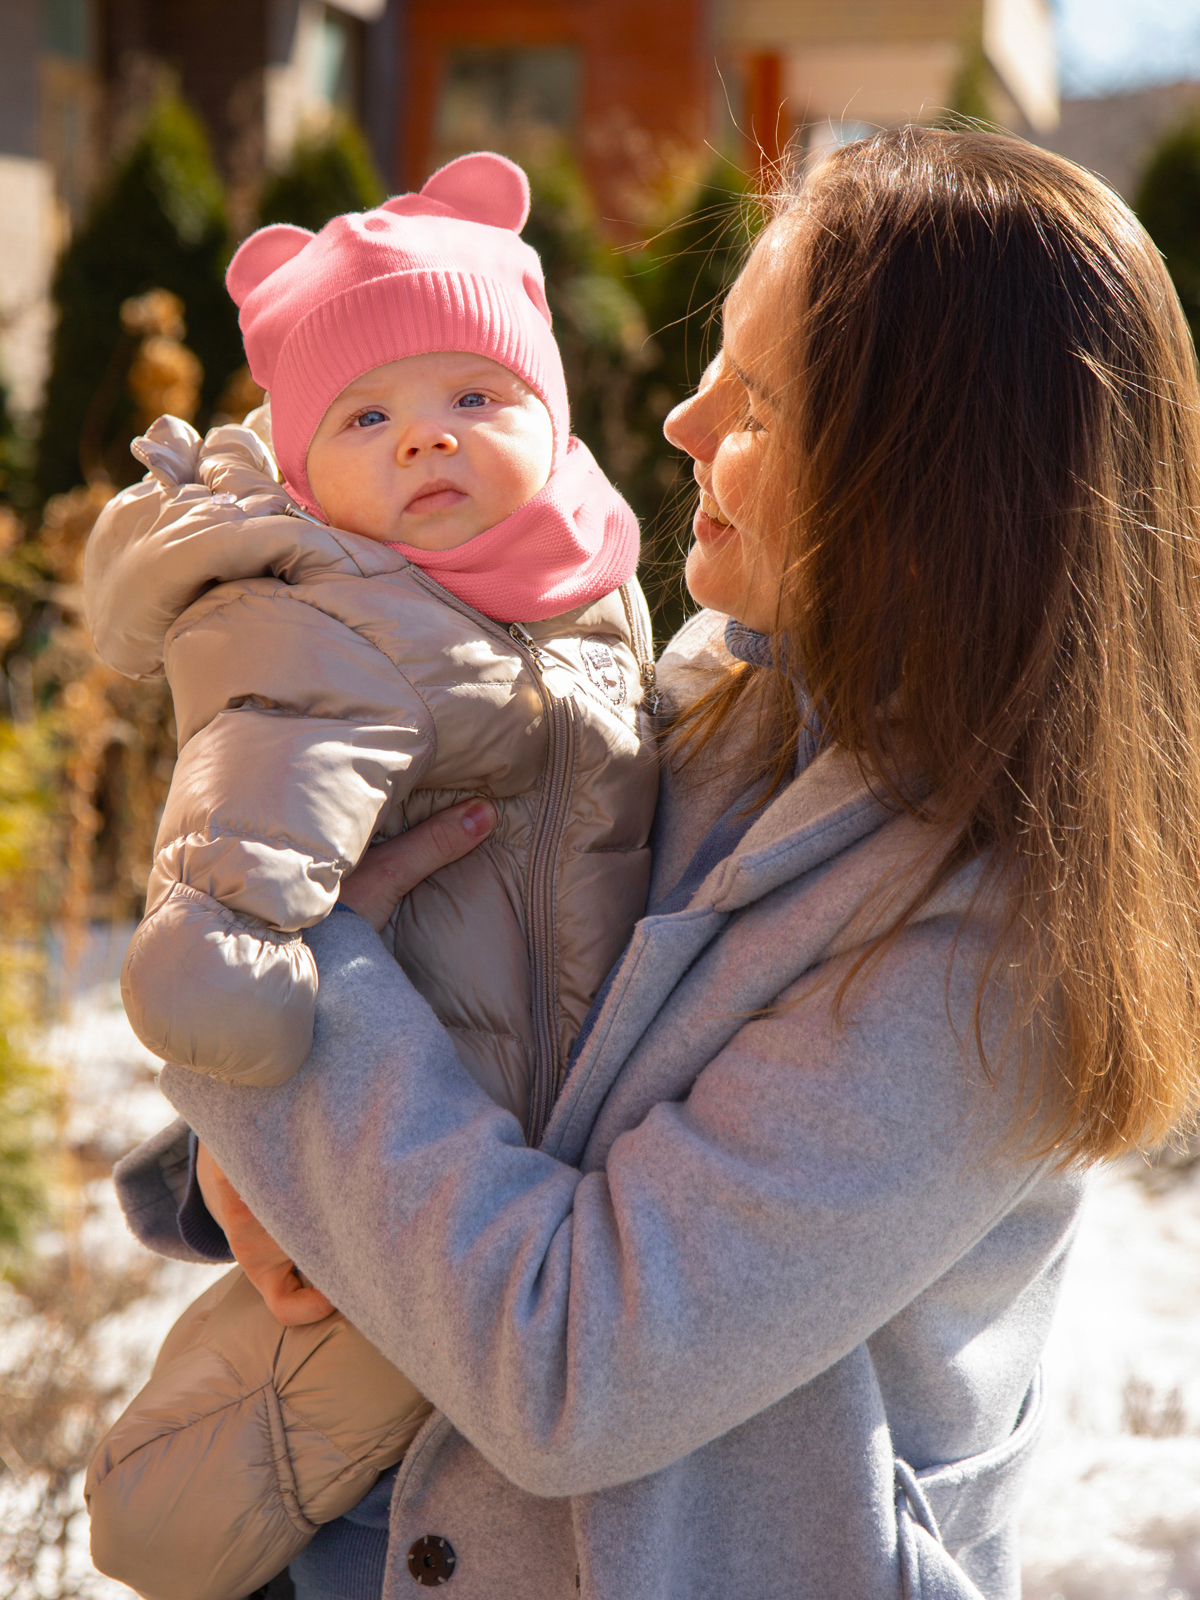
x: 59, y: 1395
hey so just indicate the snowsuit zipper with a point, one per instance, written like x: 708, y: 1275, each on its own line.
x: 643, y: 649
x: 543, y: 855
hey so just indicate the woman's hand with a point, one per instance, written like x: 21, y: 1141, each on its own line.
x: 289, y: 1299
x: 388, y: 871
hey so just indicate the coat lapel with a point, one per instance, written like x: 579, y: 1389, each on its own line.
x: 656, y: 958
x: 826, y: 810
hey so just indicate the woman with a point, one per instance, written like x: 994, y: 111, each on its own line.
x: 762, y: 1315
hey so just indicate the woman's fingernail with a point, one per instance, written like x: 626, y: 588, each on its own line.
x: 479, y: 818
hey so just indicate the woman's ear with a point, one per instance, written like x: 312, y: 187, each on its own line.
x: 262, y: 254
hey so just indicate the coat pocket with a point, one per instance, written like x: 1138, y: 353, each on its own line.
x: 247, y: 1437
x: 958, y: 1506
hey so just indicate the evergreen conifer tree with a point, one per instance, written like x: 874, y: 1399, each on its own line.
x: 159, y: 222
x: 636, y: 332
x: 598, y: 322
x: 1168, y: 202
x: 328, y: 173
x: 15, y: 455
x: 681, y: 280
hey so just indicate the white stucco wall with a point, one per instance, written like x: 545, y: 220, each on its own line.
x: 879, y: 84
x: 1018, y: 40
x: 27, y: 239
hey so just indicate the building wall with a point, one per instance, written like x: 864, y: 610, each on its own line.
x: 29, y: 217
x: 648, y: 85
x: 878, y: 62
x: 755, y: 23
x: 876, y: 83
x: 645, y: 80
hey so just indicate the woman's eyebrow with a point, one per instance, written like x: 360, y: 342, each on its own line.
x: 747, y: 381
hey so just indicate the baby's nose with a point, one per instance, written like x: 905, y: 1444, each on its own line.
x: 426, y: 439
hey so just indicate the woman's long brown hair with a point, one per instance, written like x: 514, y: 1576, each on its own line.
x: 992, y: 426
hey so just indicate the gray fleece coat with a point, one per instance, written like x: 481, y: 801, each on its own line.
x: 761, y: 1318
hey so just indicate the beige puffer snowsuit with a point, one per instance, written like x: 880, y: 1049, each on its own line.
x: 247, y: 1437
x: 328, y: 693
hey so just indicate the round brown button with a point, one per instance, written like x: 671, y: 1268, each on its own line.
x: 432, y: 1560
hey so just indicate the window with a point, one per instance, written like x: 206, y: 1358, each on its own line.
x: 332, y: 60
x: 66, y: 29
x: 493, y: 97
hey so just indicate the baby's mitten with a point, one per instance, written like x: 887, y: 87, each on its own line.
x: 169, y: 450
x: 236, y: 466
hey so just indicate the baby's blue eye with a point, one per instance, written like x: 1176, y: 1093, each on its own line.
x: 473, y: 400
x: 369, y: 419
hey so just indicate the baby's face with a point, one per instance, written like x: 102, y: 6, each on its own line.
x: 430, y: 450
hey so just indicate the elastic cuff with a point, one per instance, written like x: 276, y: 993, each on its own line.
x: 198, y: 1228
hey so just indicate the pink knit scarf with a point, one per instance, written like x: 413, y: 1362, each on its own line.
x: 575, y: 541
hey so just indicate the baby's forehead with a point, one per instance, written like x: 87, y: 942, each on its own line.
x: 449, y: 366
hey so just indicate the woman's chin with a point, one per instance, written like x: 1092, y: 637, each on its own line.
x: 714, y: 576
x: 720, y: 578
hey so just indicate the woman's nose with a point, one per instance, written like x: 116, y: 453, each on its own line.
x: 692, y: 426
x: 425, y: 438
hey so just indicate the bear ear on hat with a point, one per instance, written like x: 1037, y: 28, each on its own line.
x: 483, y: 187
x: 262, y: 254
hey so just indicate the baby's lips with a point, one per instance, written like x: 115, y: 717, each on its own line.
x: 440, y: 495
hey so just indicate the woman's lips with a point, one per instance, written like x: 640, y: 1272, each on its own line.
x: 439, y: 496
x: 708, y: 524
x: 712, y: 510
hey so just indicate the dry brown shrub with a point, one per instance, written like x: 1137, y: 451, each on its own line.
x: 57, y: 1403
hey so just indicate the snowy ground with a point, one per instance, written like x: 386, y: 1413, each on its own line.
x: 112, y: 1102
x: 1113, y: 1512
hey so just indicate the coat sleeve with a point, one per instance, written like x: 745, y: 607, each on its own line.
x: 152, y: 1184
x: 585, y: 1328
x: 300, y: 736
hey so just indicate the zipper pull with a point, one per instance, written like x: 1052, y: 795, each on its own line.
x: 528, y: 642
x: 293, y: 510
x: 650, y: 695
x: 643, y: 650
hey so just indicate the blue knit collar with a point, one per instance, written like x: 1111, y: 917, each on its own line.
x: 759, y: 650
x: 747, y: 644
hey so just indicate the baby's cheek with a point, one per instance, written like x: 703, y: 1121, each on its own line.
x: 515, y: 465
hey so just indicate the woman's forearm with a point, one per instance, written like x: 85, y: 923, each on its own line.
x: 583, y: 1329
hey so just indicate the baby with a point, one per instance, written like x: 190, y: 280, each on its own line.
x: 437, y: 602
x: 451, y: 610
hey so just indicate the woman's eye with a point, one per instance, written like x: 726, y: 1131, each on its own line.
x: 751, y: 424
x: 369, y: 419
x: 473, y: 400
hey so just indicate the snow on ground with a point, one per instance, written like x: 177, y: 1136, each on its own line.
x: 1113, y: 1508
x: 112, y: 1102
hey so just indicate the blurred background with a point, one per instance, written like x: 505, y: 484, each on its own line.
x: 140, y: 141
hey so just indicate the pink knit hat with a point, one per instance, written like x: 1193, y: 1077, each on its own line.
x: 444, y: 269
